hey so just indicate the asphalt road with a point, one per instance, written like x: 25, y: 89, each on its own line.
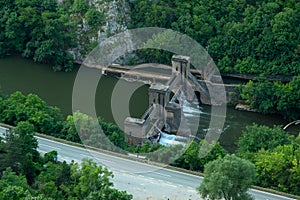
x: 142, y: 180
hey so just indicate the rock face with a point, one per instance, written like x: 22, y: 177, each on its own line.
x: 115, y: 17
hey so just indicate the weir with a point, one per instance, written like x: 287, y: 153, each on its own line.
x: 165, y: 113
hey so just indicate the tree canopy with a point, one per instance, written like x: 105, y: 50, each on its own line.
x: 24, y: 174
x: 268, y: 97
x: 19, y: 107
x: 256, y: 137
x: 229, y: 178
x: 279, y: 168
x: 249, y: 37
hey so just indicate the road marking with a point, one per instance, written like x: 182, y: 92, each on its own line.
x: 86, y: 156
x: 45, y: 145
x: 103, y: 160
x: 161, y: 174
x: 98, y: 159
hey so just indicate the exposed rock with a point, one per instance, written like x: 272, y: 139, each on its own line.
x: 116, y: 15
x: 244, y: 107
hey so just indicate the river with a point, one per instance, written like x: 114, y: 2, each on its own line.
x: 18, y: 74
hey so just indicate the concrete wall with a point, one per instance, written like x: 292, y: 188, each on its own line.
x: 135, y: 130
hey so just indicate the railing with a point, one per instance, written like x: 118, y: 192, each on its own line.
x: 148, y: 112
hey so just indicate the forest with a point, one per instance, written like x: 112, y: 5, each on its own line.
x: 249, y: 37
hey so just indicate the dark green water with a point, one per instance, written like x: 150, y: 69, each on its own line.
x: 18, y: 74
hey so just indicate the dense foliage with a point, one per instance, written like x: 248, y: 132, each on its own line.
x: 276, y: 156
x: 24, y: 174
x: 268, y: 97
x: 45, y: 30
x: 37, y: 29
x: 18, y: 107
x: 242, y: 36
x: 279, y: 168
x: 255, y: 138
x: 228, y: 178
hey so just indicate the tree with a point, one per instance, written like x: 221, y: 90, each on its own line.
x: 94, y: 18
x: 196, y: 156
x: 20, y: 151
x: 257, y: 137
x: 260, y: 95
x: 10, y: 178
x: 13, y: 192
x: 289, y: 98
x: 269, y: 97
x: 279, y: 168
x: 228, y: 178
x: 69, y: 130
x: 25, y: 133
x: 93, y: 182
x: 19, y: 144
x: 18, y: 107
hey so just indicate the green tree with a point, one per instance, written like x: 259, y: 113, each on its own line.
x: 94, y: 18
x: 18, y: 107
x: 55, y: 180
x: 10, y: 178
x: 279, y: 168
x: 260, y: 95
x: 289, y: 98
x: 198, y: 154
x: 269, y: 97
x: 228, y: 178
x: 40, y: 30
x: 13, y: 192
x: 93, y: 182
x: 19, y: 143
x: 69, y: 130
x: 258, y: 137
x: 20, y: 151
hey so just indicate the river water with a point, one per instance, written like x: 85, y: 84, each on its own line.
x: 18, y: 74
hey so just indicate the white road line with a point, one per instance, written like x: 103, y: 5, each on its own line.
x: 98, y: 159
x: 45, y: 145
x: 104, y: 160
x: 161, y: 174
x: 86, y: 156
